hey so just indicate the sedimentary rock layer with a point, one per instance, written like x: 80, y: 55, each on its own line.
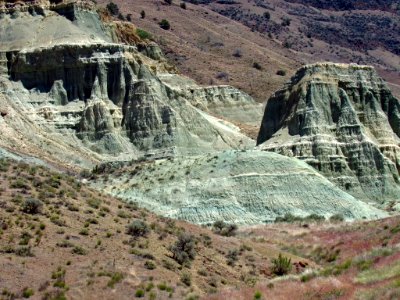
x: 343, y: 121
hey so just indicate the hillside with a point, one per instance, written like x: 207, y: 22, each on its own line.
x: 277, y: 35
x: 60, y: 239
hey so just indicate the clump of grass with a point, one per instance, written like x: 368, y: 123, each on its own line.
x: 281, y: 265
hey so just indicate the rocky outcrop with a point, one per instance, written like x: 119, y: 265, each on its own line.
x: 343, y: 121
x: 243, y: 187
x: 63, y: 72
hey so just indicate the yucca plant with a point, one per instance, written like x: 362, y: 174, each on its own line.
x: 281, y: 265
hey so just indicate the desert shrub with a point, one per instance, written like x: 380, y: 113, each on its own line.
x: 257, y: 66
x: 281, y: 72
x: 143, y: 34
x: 336, y: 218
x: 143, y: 14
x: 149, y: 265
x: 115, y: 278
x: 232, y: 257
x: 32, y: 206
x: 225, y: 229
x: 285, y: 21
x: 113, y: 8
x: 183, y: 5
x: 267, y: 15
x: 281, y: 265
x: 23, y: 251
x: 27, y: 293
x: 169, y: 2
x: 138, y: 228
x: 129, y: 17
x: 237, y: 53
x: 257, y: 295
x: 139, y: 293
x: 222, y: 75
x: 186, y: 279
x: 314, y: 218
x: 79, y: 250
x: 183, y: 250
x: 164, y: 24
x: 20, y: 184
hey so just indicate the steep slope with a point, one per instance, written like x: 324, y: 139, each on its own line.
x: 88, y: 99
x: 343, y: 121
x: 243, y: 187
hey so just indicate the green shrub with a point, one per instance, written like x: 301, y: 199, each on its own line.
x: 143, y: 34
x: 281, y: 265
x: 139, y: 293
x: 138, y: 228
x: 27, y: 293
x: 257, y: 295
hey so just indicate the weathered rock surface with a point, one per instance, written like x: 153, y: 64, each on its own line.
x: 244, y: 187
x: 104, y: 98
x: 343, y: 121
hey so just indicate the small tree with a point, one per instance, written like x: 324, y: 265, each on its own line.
x: 281, y: 265
x: 113, y: 8
x: 164, y: 24
x: 143, y: 14
x: 183, y: 250
x: 138, y: 228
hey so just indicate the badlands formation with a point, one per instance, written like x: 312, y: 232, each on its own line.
x: 74, y: 96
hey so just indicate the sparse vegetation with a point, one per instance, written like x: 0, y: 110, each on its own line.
x: 281, y: 265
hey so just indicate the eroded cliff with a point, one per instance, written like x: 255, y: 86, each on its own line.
x: 343, y: 121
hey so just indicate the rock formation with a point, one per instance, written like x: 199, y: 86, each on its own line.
x: 243, y: 187
x: 74, y: 79
x: 343, y: 121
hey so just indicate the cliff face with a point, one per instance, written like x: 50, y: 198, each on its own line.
x: 343, y: 121
x: 103, y: 97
